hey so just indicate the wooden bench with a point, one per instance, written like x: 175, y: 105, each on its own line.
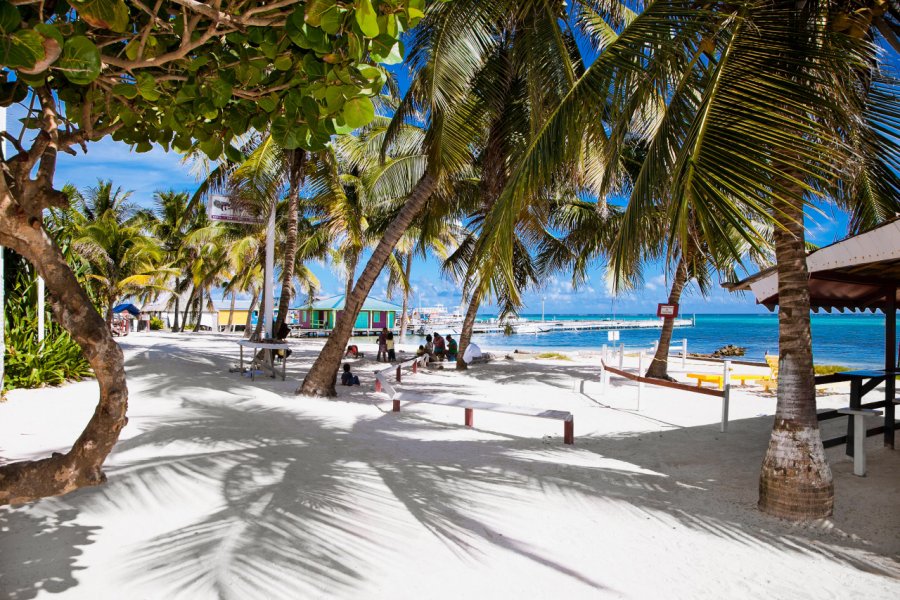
x: 469, y: 407
x: 706, y: 378
x: 718, y: 379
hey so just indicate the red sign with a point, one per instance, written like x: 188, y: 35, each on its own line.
x: 667, y: 311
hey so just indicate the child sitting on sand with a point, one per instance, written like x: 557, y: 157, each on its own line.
x: 348, y: 378
x: 452, y: 348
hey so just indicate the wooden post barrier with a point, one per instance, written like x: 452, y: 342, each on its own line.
x: 415, y: 367
x: 398, y: 374
x: 621, y: 354
x: 726, y: 395
x: 569, y: 432
x: 470, y: 417
x: 377, y: 384
x: 396, y: 406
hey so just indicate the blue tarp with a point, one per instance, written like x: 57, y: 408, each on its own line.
x: 130, y: 308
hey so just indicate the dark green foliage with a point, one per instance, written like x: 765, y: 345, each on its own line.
x: 28, y: 363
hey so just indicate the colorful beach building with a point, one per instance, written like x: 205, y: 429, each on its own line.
x: 323, y: 314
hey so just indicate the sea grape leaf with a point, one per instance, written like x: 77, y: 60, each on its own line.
x: 80, y: 61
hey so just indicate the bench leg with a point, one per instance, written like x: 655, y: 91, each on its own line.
x: 569, y: 432
x: 470, y: 417
x: 396, y: 406
x: 859, y: 439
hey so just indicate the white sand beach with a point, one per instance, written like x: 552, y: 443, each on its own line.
x: 222, y: 487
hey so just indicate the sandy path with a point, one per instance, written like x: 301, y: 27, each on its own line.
x: 226, y: 488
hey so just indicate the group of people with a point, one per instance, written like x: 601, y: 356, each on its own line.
x: 438, y: 347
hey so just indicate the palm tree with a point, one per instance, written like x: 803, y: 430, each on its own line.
x: 448, y: 49
x: 122, y: 259
x: 765, y: 106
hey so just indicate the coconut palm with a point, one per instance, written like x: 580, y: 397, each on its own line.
x: 766, y: 105
x: 448, y: 49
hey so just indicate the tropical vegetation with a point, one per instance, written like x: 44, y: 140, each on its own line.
x: 532, y: 138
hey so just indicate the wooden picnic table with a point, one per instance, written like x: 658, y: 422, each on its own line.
x: 268, y: 361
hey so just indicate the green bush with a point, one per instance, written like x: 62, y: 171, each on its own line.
x: 156, y: 324
x: 28, y: 363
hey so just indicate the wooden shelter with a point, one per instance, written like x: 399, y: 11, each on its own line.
x: 859, y: 273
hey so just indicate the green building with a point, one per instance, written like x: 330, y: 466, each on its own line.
x: 323, y: 314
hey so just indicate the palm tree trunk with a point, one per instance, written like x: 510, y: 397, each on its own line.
x: 261, y: 318
x: 660, y: 365
x: 249, y: 322
x: 352, y: 262
x: 230, y: 327
x: 177, y: 299
x: 321, y: 377
x: 187, y: 307
x: 466, y: 335
x: 795, y: 481
x: 403, y: 317
x: 198, y: 320
x: 82, y: 464
x: 109, y: 312
x: 297, y: 159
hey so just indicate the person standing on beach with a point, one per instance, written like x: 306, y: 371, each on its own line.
x: 389, y: 342
x: 382, y: 345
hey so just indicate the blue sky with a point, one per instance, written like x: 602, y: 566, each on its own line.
x: 157, y: 170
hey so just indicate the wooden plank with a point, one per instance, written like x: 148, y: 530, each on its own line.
x: 833, y: 414
x: 525, y: 411
x: 685, y: 387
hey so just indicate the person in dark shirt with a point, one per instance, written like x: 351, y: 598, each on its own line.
x: 452, y: 348
x: 348, y: 378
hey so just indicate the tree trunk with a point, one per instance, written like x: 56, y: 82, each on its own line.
x: 351, y: 272
x: 82, y: 465
x: 795, y: 481
x: 321, y: 377
x: 660, y: 365
x: 403, y: 317
x: 257, y: 331
x: 249, y: 323
x: 109, y: 313
x: 468, y: 325
x: 230, y: 326
x: 177, y: 302
x: 187, y: 307
x: 297, y: 159
x: 198, y: 320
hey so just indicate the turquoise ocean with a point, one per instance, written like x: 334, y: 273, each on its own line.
x: 852, y: 340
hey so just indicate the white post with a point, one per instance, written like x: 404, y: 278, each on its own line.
x: 655, y: 346
x: 40, y: 308
x: 684, y: 353
x: 621, y: 354
x: 603, y: 353
x: 602, y: 380
x: 726, y: 395
x: 640, y: 374
x: 269, y: 301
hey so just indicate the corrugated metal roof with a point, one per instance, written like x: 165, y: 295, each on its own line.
x: 337, y: 303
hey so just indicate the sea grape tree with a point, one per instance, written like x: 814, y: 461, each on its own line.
x: 180, y: 74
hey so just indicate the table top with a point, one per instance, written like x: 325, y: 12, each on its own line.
x: 868, y: 373
x: 263, y: 345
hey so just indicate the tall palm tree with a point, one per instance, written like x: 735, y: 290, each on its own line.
x: 122, y: 259
x: 448, y: 49
x: 766, y: 105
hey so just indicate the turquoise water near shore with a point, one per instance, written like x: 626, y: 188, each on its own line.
x: 852, y: 340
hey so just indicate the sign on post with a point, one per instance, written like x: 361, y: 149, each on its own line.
x: 667, y: 311
x: 612, y: 336
x: 221, y: 209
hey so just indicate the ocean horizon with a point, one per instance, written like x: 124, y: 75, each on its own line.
x: 854, y: 340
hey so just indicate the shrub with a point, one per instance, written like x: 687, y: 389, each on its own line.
x: 156, y: 324
x: 828, y: 369
x: 30, y: 364
x: 554, y: 355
